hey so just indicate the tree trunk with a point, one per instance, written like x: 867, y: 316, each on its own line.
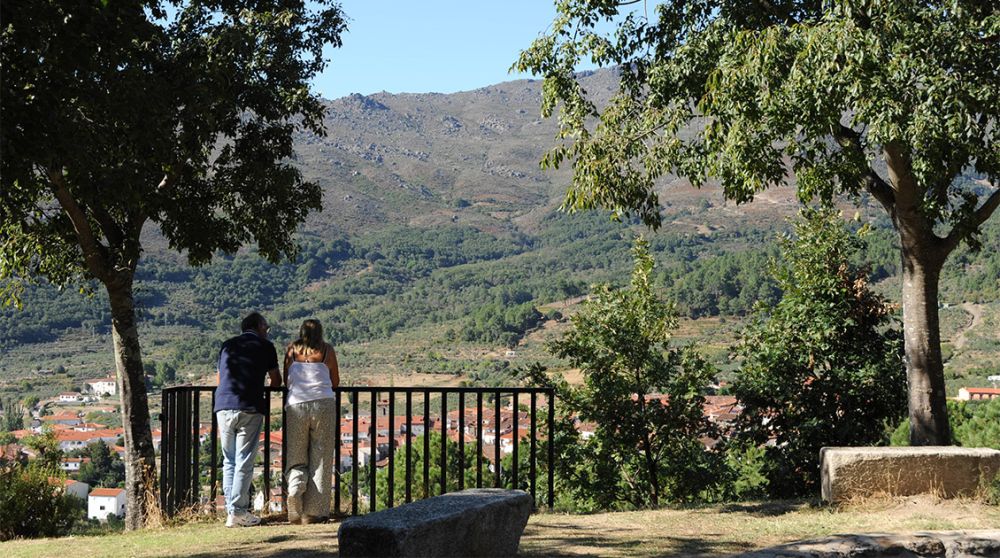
x: 140, y: 459
x: 922, y: 337
x: 647, y: 447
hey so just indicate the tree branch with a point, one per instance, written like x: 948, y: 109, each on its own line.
x: 880, y: 190
x: 94, y: 253
x: 872, y: 182
x: 110, y: 229
x: 978, y: 218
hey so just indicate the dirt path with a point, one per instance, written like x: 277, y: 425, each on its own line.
x: 974, y: 310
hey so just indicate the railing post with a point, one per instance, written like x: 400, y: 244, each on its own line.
x: 215, y: 456
x: 164, y: 479
x: 531, y: 459
x: 372, y: 469
x: 355, y: 398
x: 336, y: 453
x: 196, y: 446
x: 552, y: 446
x: 427, y: 444
x: 479, y: 439
x: 496, y: 441
x: 392, y: 448
x: 266, y: 497
x: 409, y: 444
x: 444, y: 442
x: 514, y: 438
x: 461, y: 440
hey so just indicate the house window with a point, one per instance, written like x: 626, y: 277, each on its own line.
x: 102, y: 508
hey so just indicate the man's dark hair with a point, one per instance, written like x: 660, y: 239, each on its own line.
x: 252, y: 322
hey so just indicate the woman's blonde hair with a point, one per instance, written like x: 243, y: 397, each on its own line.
x: 310, y: 337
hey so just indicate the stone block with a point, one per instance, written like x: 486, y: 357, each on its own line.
x: 475, y: 522
x: 947, y: 471
x: 942, y: 544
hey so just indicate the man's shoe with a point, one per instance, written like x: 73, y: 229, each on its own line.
x: 245, y: 519
x: 229, y: 520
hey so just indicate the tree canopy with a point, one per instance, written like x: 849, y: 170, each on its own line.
x: 177, y: 113
x: 888, y: 100
x: 643, y: 395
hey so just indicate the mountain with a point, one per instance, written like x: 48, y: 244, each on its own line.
x: 439, y: 245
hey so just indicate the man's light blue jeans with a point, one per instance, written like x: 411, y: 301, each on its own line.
x: 239, y: 432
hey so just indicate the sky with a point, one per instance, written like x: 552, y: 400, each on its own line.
x: 423, y: 46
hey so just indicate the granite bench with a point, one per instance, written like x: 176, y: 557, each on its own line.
x: 475, y: 522
x: 948, y: 471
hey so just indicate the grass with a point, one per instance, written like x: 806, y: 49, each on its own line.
x: 716, y: 530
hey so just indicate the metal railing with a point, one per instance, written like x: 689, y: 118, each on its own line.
x: 182, y: 467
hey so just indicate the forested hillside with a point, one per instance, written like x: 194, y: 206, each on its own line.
x: 440, y: 246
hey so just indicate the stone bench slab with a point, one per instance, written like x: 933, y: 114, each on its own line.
x: 948, y: 544
x: 946, y: 471
x: 475, y: 522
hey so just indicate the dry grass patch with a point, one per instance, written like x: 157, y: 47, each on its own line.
x: 701, y: 531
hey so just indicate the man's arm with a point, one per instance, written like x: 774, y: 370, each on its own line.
x: 275, y: 377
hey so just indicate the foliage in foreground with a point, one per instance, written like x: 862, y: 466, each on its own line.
x: 31, y: 505
x: 973, y: 424
x: 824, y: 366
x: 890, y: 100
x: 644, y: 397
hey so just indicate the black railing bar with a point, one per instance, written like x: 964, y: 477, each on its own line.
x: 496, y: 441
x: 409, y: 443
x: 552, y: 447
x: 196, y: 453
x: 355, y: 459
x: 461, y: 441
x: 427, y: 444
x: 336, y: 458
x: 479, y: 440
x: 373, y: 443
x: 213, y: 491
x: 444, y: 445
x: 532, y: 456
x: 284, y: 452
x: 392, y: 449
x: 514, y: 438
x: 436, y: 390
x: 267, y: 452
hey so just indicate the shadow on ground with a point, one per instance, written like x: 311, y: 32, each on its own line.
x: 563, y: 540
x: 766, y: 509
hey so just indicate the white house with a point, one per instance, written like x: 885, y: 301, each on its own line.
x: 72, y: 464
x: 77, y: 489
x: 103, y: 502
x: 69, y: 397
x: 977, y: 394
x: 103, y: 386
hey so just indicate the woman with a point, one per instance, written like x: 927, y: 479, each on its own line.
x: 311, y: 375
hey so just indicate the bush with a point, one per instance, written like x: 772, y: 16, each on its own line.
x: 992, y: 493
x: 31, y: 506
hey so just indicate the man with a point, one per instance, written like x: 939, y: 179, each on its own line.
x: 244, y: 361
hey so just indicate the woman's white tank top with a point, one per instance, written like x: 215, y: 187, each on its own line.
x: 308, y: 381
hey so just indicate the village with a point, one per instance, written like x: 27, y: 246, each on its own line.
x: 79, y: 420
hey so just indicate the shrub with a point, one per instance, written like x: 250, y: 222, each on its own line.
x: 31, y: 506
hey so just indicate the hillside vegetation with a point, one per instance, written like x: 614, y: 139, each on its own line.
x: 440, y: 246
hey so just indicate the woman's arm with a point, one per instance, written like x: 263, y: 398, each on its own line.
x: 288, y: 362
x: 331, y: 363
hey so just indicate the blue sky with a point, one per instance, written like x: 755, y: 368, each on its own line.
x: 420, y: 46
